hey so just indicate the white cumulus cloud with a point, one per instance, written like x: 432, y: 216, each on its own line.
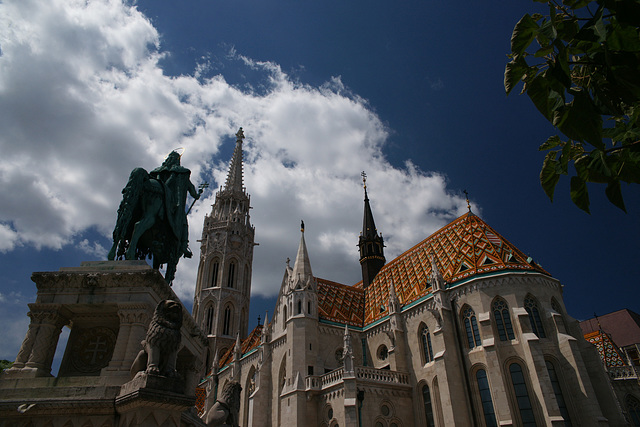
x: 83, y: 100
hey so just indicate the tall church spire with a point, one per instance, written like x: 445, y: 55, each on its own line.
x: 370, y: 243
x: 223, y: 287
x: 234, y: 177
x: 302, y: 266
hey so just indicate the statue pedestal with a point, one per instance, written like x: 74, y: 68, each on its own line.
x: 107, y: 305
x: 152, y: 400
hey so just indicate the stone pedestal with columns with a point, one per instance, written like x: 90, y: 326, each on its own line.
x: 107, y: 306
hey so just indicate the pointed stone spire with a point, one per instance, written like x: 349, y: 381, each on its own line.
x: 370, y: 243
x: 216, y: 363
x: 265, y: 329
x: 394, y: 302
x: 302, y: 266
x: 237, y: 351
x: 437, y: 281
x: 234, y: 178
x: 347, y: 351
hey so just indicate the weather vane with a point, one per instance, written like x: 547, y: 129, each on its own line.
x: 467, y: 196
x: 364, y: 179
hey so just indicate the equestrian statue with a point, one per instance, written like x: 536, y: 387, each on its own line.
x: 152, y: 221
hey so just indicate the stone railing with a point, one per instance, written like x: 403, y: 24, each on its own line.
x: 623, y: 373
x: 363, y: 375
x: 382, y: 376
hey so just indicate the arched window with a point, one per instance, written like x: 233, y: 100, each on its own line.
x: 522, y: 396
x: 557, y: 390
x: 531, y: 306
x: 485, y: 397
x: 633, y: 406
x: 232, y: 274
x: 309, y: 307
x: 471, y: 327
x: 284, y: 317
x: 215, y: 266
x: 228, y: 318
x: 299, y: 307
x: 428, y: 408
x: 427, y: 349
x: 503, y: 319
x: 209, y: 324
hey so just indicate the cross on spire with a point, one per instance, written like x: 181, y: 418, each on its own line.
x: 467, y: 196
x: 364, y: 179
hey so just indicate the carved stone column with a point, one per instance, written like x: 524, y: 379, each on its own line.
x: 134, y: 319
x: 39, y: 346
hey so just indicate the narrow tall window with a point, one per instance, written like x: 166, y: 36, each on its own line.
x: 428, y: 409
x: 531, y: 306
x: 557, y: 390
x: 215, y: 266
x: 210, y: 320
x: 227, y: 321
x: 232, y: 274
x: 522, y: 396
x: 427, y: 349
x: 633, y: 406
x: 503, y: 320
x: 485, y: 397
x: 299, y: 307
x: 471, y: 326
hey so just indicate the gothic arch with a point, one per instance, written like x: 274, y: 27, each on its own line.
x: 536, y: 315
x: 426, y: 348
x: 518, y: 401
x: 558, y: 384
x: 214, y: 272
x: 502, y: 319
x: 249, y: 388
x: 232, y: 274
x: 470, y: 326
x: 228, y: 319
x: 482, y: 395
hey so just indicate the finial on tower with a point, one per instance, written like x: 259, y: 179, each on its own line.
x: 240, y: 135
x: 364, y: 180
x: 467, y: 196
x: 302, y: 226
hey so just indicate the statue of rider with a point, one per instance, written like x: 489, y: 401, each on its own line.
x: 176, y: 181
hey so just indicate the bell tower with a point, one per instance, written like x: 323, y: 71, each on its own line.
x: 223, y: 287
x: 370, y: 243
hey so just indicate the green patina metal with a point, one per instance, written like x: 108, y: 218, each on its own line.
x: 152, y: 222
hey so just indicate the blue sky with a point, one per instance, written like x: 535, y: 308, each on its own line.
x: 411, y: 93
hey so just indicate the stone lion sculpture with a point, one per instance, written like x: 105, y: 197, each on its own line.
x: 160, y: 348
x: 225, y: 411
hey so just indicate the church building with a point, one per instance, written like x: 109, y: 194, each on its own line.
x: 462, y: 329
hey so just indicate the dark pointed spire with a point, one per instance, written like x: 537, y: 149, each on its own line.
x: 234, y: 178
x: 371, y: 244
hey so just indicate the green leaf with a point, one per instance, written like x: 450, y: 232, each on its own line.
x: 548, y: 30
x: 579, y: 193
x: 550, y: 143
x: 513, y: 73
x: 580, y: 120
x: 523, y: 34
x: 614, y: 194
x: 549, y: 175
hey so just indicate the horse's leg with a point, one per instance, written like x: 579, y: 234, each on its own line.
x: 139, y: 229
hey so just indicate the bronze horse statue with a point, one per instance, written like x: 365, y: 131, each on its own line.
x: 152, y: 221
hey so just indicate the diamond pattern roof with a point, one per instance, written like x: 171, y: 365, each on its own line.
x: 340, y: 303
x: 609, y: 352
x: 248, y: 344
x: 461, y: 250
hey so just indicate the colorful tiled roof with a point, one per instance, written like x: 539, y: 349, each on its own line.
x: 462, y: 249
x: 201, y: 397
x: 609, y: 352
x: 248, y: 344
x: 340, y: 303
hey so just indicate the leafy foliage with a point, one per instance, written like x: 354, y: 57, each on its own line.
x: 580, y: 65
x: 5, y: 364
